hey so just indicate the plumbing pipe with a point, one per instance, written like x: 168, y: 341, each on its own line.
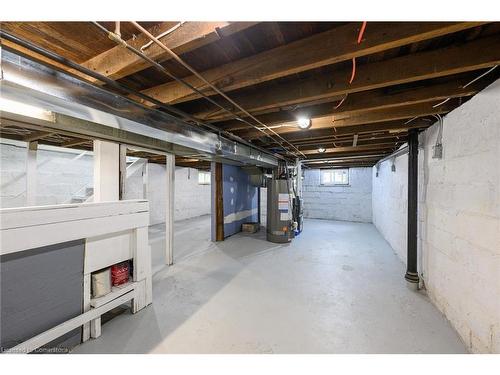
x: 118, y: 86
x: 160, y: 68
x: 411, y: 275
x: 163, y: 34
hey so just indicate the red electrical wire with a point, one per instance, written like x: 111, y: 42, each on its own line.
x: 340, y: 103
x: 360, y: 38
x: 353, y: 74
x: 361, y: 32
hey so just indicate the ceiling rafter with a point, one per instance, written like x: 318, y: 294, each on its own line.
x: 322, y: 49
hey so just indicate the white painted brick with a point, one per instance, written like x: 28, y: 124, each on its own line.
x: 350, y: 203
x: 459, y: 218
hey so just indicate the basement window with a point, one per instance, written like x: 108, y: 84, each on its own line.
x: 203, y: 178
x: 335, y: 177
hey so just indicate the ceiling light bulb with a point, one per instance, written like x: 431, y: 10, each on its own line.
x: 304, y: 123
x: 321, y: 150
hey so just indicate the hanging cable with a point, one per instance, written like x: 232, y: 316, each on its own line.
x: 441, y: 103
x: 481, y: 76
x: 353, y: 74
x: 341, y: 101
x: 360, y: 38
x: 221, y: 93
x: 160, y: 68
x: 361, y: 32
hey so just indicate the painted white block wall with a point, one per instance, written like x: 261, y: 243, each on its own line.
x: 348, y: 203
x: 459, y: 218
x: 191, y: 198
x: 63, y: 173
x: 60, y: 175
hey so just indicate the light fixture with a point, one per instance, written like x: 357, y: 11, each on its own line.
x: 321, y: 150
x: 304, y: 123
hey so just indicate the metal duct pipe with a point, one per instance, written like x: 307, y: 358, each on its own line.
x: 411, y: 275
x: 401, y: 151
x: 118, y: 86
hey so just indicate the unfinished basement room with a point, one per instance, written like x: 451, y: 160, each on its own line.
x: 250, y: 187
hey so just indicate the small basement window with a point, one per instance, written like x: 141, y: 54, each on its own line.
x: 334, y: 177
x: 203, y: 178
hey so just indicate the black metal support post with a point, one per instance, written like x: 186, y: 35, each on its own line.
x: 411, y: 268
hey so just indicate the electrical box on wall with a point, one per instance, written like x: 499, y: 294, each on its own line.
x: 437, y: 151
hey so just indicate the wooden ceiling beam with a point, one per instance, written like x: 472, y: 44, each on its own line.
x: 364, y: 101
x: 344, y: 151
x: 364, y: 118
x: 118, y: 62
x: 341, y: 160
x: 368, y: 143
x: 391, y: 126
x: 37, y: 135
x: 358, y: 149
x: 75, y: 142
x: 357, y: 164
x: 329, y: 47
x: 470, y: 56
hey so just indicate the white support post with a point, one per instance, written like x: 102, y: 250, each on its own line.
x: 169, y: 219
x: 31, y: 173
x: 106, y: 171
x: 122, y: 170
x: 145, y: 179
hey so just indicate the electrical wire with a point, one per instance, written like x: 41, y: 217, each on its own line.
x: 441, y: 103
x: 163, y: 34
x: 217, y: 90
x: 466, y: 85
x: 122, y: 89
x: 481, y: 76
x: 360, y: 38
x: 353, y: 74
x: 160, y: 68
x: 361, y: 32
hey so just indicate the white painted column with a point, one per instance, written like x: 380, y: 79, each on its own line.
x: 122, y: 170
x: 169, y: 219
x: 106, y: 171
x: 145, y: 179
x: 31, y: 173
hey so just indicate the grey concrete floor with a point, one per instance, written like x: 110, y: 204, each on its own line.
x: 337, y: 288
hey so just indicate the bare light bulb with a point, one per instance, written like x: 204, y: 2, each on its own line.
x: 304, y: 123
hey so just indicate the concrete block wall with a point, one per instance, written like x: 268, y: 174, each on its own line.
x: 459, y: 218
x: 191, y: 198
x: 62, y: 173
x: 349, y: 203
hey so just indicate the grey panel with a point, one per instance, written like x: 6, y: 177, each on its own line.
x: 41, y: 288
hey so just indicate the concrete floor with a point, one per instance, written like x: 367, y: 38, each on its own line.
x: 337, y: 288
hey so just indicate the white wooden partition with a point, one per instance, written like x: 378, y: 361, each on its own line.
x: 113, y: 232
x: 106, y: 171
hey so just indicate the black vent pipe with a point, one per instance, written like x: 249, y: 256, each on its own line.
x: 411, y: 263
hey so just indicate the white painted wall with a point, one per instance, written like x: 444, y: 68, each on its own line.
x: 191, y: 199
x: 459, y: 218
x: 62, y: 173
x: 349, y: 203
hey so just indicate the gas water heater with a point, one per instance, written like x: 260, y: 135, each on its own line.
x: 279, y: 211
